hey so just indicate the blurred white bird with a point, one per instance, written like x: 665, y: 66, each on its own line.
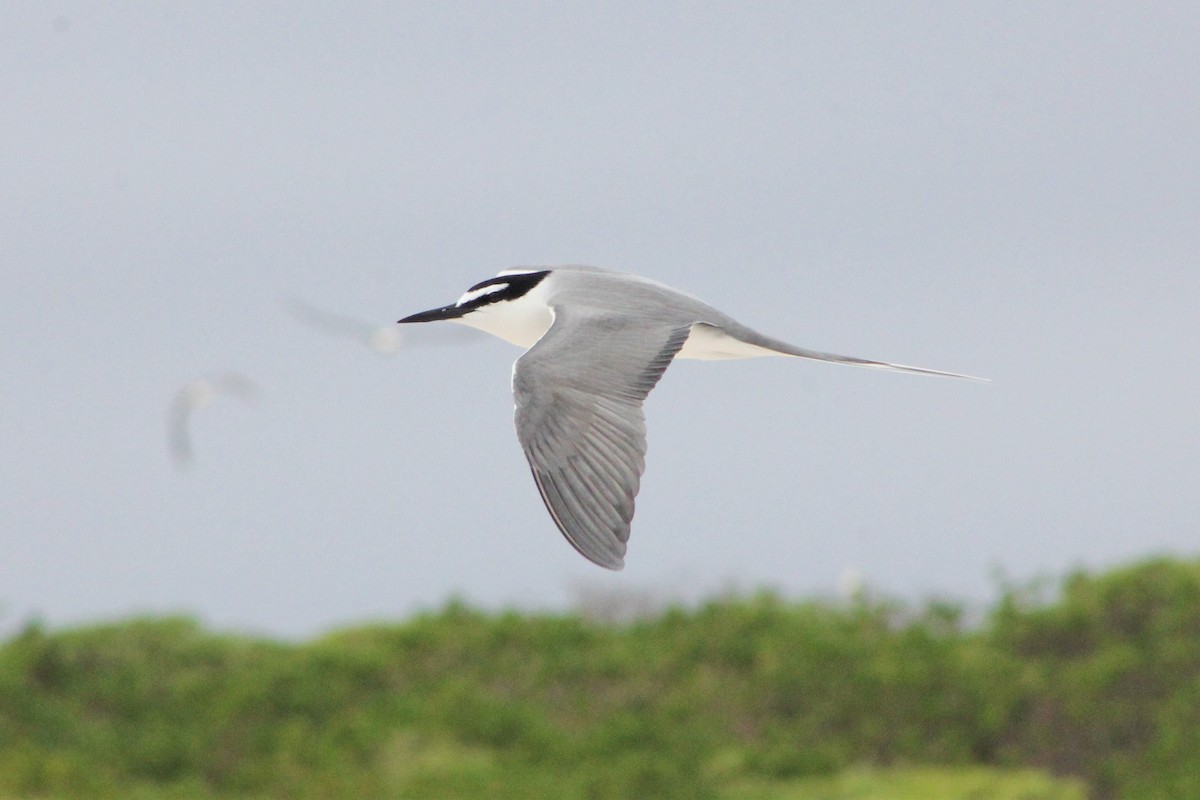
x: 195, y: 395
x: 386, y: 340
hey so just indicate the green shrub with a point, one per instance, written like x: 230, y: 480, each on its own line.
x: 740, y: 697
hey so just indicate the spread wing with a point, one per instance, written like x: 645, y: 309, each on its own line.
x: 579, y: 393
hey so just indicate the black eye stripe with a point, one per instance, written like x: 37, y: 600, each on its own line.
x: 515, y: 286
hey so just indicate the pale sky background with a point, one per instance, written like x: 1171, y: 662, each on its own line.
x: 1006, y: 189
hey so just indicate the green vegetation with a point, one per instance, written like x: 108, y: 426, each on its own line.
x: 916, y: 783
x: 745, y: 698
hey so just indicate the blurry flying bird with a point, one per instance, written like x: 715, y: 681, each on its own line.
x: 195, y: 395
x: 385, y: 340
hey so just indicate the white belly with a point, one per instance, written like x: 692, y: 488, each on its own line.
x: 524, y: 321
x: 709, y: 343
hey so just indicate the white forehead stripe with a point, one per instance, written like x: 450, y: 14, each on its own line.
x: 480, y: 292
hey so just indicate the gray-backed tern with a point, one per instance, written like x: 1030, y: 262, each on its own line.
x: 596, y: 343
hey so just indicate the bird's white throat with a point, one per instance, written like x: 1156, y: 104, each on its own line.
x: 521, y: 322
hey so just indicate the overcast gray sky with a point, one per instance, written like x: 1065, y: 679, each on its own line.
x: 1006, y: 189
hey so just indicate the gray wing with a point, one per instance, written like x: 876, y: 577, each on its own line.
x: 579, y: 393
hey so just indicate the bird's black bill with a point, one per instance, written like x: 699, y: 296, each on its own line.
x: 435, y: 314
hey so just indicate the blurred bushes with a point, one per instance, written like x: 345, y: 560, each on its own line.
x: 1109, y: 680
x: 1101, y: 682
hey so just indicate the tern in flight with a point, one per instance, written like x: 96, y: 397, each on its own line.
x: 596, y: 343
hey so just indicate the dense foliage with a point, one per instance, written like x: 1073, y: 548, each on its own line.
x: 740, y: 698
